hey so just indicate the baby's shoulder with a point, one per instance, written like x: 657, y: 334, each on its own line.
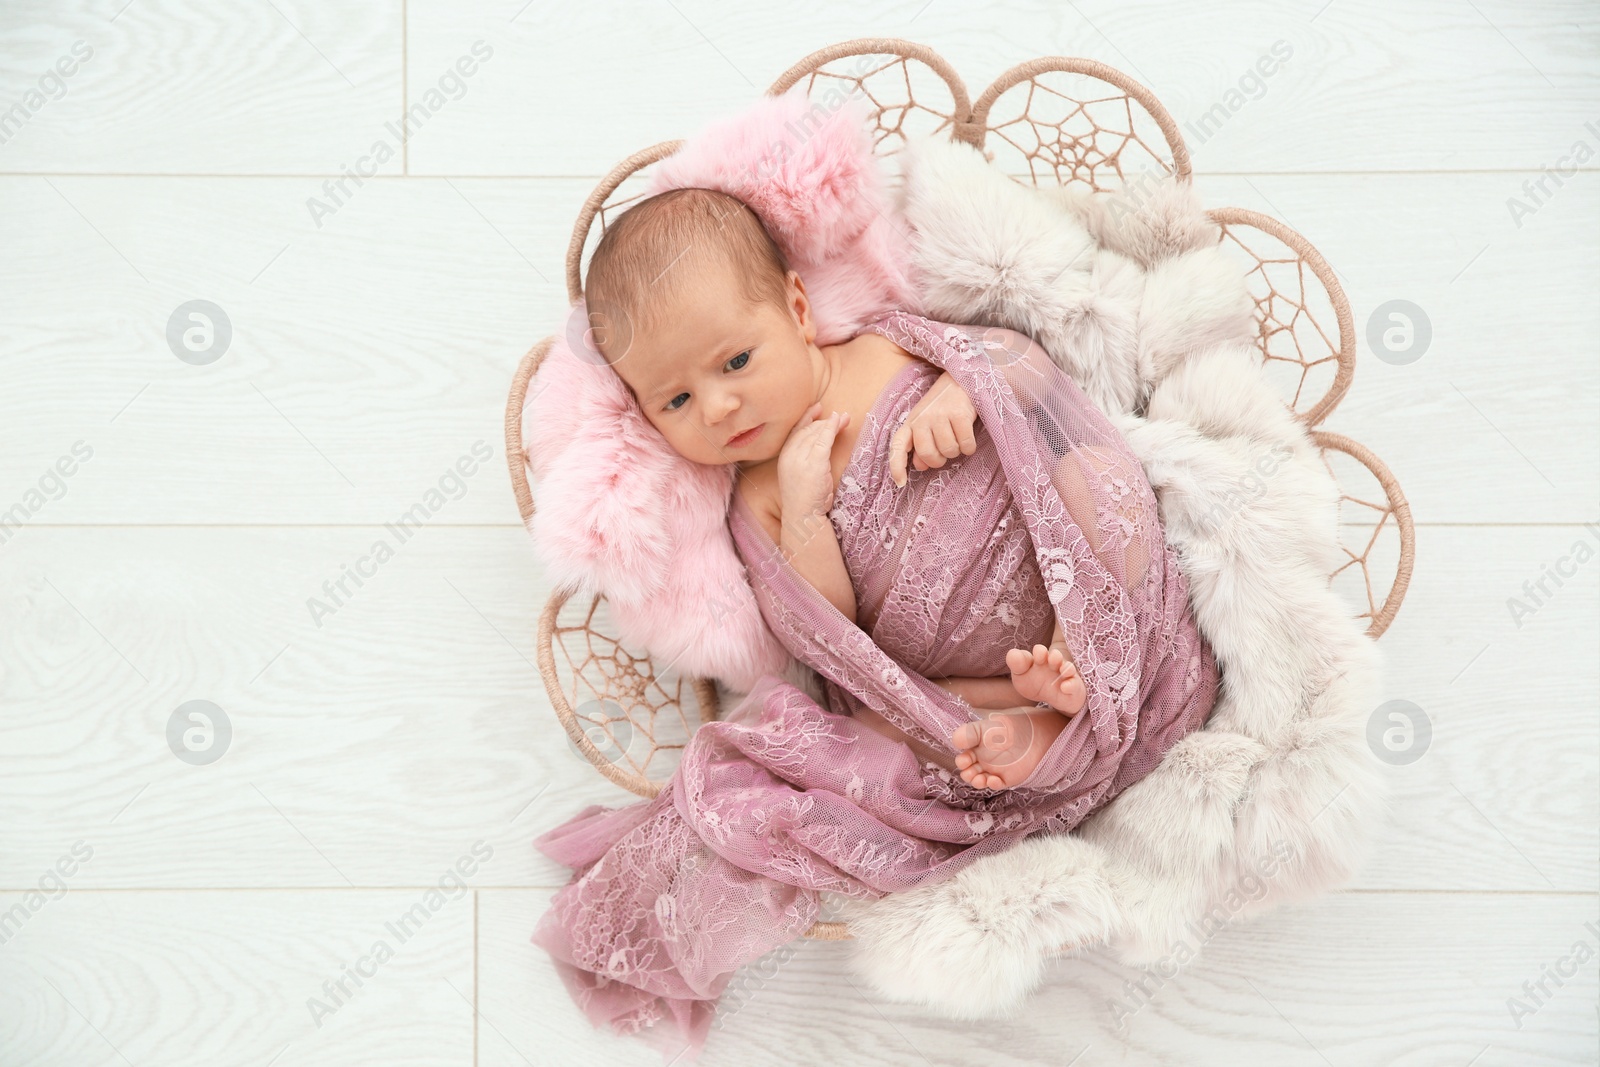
x: 876, y: 363
x: 876, y: 346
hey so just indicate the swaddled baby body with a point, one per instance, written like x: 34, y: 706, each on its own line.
x: 696, y: 309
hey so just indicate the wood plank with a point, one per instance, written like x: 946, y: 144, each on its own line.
x: 416, y: 705
x: 224, y: 88
x: 1465, y: 808
x: 1367, y: 86
x: 228, y: 978
x: 333, y: 83
x: 368, y: 356
x: 330, y: 330
x: 1405, y: 979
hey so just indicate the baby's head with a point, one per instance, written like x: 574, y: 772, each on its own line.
x: 694, y: 306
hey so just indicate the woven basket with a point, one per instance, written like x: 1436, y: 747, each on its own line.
x: 1050, y: 119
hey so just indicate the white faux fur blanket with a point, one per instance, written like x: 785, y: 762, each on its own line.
x: 1273, y: 799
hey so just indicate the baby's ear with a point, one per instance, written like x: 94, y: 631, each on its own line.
x: 800, y: 307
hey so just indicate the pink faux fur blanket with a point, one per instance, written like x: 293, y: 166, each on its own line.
x: 618, y: 512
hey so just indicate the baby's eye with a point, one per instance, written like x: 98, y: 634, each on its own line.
x: 742, y: 360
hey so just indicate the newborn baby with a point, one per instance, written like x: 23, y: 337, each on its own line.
x: 695, y: 307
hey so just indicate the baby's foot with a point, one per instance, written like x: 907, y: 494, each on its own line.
x: 1047, y: 674
x: 1000, y: 750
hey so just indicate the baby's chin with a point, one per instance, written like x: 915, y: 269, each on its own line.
x: 746, y: 462
x: 738, y: 461
x: 755, y: 458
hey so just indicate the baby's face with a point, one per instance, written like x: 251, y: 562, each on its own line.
x: 715, y: 367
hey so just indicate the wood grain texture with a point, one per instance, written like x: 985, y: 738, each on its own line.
x: 179, y: 86
x: 1421, y: 979
x: 226, y: 977
x: 1444, y: 84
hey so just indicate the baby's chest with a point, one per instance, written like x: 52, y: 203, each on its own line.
x: 860, y: 398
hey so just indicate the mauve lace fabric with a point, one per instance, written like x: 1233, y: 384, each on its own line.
x: 784, y: 799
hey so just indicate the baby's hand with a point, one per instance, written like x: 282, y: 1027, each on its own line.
x: 939, y: 427
x: 805, y: 471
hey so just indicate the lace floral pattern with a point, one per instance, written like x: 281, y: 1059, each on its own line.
x: 1050, y: 519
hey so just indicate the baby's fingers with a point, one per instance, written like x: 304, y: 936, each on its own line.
x: 966, y: 439
x: 936, y: 442
x: 927, y: 449
x: 824, y: 430
x: 897, y: 455
x: 955, y: 434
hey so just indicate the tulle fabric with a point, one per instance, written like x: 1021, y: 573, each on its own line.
x: 785, y: 799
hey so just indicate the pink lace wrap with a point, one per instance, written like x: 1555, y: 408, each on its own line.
x: 784, y: 799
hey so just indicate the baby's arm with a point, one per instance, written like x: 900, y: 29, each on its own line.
x: 809, y: 544
x: 804, y: 495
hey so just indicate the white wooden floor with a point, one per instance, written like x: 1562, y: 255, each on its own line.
x: 374, y: 747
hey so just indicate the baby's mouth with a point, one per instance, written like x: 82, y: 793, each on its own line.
x: 746, y: 437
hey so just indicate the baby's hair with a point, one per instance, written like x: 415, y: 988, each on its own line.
x: 643, y: 254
